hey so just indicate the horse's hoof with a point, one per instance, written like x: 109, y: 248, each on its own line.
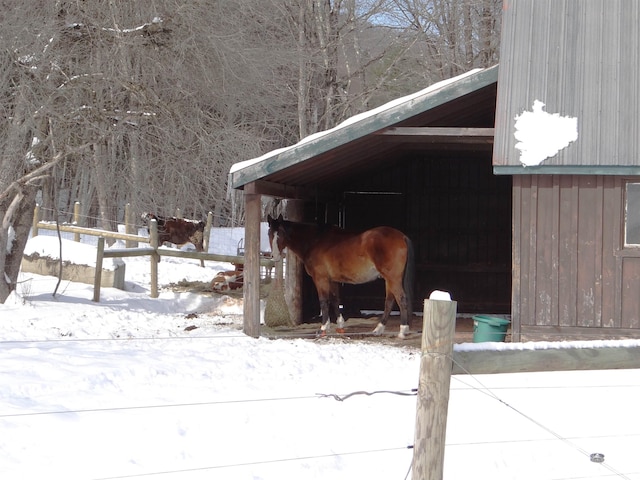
x: 340, y: 330
x: 404, y: 331
x: 379, y: 330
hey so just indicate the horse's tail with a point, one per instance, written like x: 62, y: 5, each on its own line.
x: 407, y: 279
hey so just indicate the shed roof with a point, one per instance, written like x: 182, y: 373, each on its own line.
x: 454, y: 114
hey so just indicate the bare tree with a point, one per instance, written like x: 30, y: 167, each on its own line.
x: 453, y: 36
x: 116, y: 102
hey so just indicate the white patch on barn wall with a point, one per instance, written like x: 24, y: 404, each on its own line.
x: 542, y: 135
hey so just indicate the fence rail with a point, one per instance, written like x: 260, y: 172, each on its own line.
x: 153, y: 251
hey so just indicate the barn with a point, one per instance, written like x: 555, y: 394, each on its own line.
x: 549, y: 236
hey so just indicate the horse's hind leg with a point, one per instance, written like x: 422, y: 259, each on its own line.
x: 395, y: 294
x: 405, y: 314
x: 388, y: 306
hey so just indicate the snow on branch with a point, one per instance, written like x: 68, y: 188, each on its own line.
x: 155, y: 26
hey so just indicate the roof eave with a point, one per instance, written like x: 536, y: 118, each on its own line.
x: 354, y: 129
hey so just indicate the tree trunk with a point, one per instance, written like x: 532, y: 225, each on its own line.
x: 19, y: 217
x: 100, y: 180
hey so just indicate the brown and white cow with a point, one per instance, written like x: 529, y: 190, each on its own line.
x: 229, y: 280
x: 178, y: 231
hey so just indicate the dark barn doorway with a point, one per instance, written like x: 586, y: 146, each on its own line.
x: 458, y: 214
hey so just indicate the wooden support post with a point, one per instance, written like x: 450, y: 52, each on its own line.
x: 433, y: 389
x: 155, y: 257
x: 295, y: 267
x: 76, y: 220
x: 36, y: 219
x: 251, y: 287
x: 97, y: 282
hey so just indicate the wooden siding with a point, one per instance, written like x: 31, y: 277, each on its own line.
x: 571, y: 270
x: 581, y: 59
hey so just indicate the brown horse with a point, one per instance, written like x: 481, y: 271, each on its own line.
x: 332, y: 256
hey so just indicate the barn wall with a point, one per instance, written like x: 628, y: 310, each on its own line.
x: 460, y: 220
x: 581, y: 59
x: 572, y: 276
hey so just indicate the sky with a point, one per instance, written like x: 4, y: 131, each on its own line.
x: 170, y: 388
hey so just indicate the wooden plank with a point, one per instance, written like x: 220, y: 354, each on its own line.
x: 168, y: 252
x: 588, y: 232
x: 566, y: 252
x: 439, y: 135
x: 615, y: 201
x: 598, y: 212
x: 630, y: 288
x: 95, y: 232
x: 128, y: 252
x: 529, y: 251
x: 279, y: 190
x: 544, y: 360
x: 573, y: 333
x: 516, y: 250
x: 546, y: 236
x: 571, y: 298
x: 555, y: 252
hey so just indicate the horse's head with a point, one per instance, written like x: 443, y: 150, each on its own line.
x: 277, y: 236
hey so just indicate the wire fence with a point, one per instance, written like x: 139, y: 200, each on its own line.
x: 493, y: 393
x: 474, y: 384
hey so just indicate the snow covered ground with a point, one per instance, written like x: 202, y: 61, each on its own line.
x: 127, y: 388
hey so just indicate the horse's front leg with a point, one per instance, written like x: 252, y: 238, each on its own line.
x: 334, y: 307
x: 330, y: 308
x: 324, y: 296
x: 324, y: 311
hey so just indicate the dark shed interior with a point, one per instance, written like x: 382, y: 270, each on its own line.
x: 457, y: 213
x: 428, y: 173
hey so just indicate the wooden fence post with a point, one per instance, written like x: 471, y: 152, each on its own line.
x: 207, y: 232
x: 155, y: 257
x: 76, y: 220
x: 97, y: 282
x: 439, y: 325
x: 36, y: 219
x: 129, y: 226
